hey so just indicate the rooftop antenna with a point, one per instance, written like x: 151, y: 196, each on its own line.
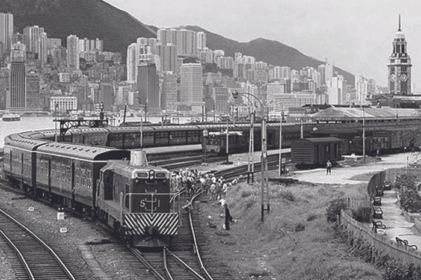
x: 399, y: 29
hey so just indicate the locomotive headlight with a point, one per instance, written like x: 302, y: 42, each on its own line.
x: 151, y: 174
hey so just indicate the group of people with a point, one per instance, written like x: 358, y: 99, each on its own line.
x: 208, y: 184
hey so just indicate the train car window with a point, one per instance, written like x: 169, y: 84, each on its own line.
x: 63, y: 172
x: 77, y: 172
x: 88, y: 179
x: 68, y: 173
x: 82, y: 177
x: 53, y: 169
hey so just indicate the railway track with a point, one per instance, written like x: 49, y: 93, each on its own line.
x: 187, y: 257
x: 32, y: 258
x: 235, y: 172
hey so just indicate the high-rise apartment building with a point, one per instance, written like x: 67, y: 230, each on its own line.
x: 32, y: 38
x: 87, y: 45
x: 6, y: 31
x: 185, y: 40
x: 399, y: 67
x: 201, y: 40
x: 191, y: 85
x: 131, y: 63
x: 16, y: 98
x: 72, y: 52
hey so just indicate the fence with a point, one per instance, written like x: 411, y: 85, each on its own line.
x: 381, y: 243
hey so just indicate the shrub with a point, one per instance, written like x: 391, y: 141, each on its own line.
x: 246, y: 193
x: 288, y: 196
x: 362, y: 214
x: 311, y: 217
x: 405, y: 180
x: 299, y: 227
x: 410, y: 200
x: 334, y: 209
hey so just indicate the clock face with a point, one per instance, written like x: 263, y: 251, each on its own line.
x: 393, y: 77
x: 404, y: 77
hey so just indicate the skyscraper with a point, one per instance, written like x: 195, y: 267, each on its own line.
x: 72, y: 52
x: 17, y: 97
x: 191, y: 85
x: 169, y: 91
x: 168, y: 54
x: 148, y: 87
x: 6, y: 30
x: 399, y: 67
x: 33, y: 90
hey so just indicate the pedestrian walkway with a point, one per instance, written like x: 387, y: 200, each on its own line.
x: 343, y: 174
x: 396, y: 223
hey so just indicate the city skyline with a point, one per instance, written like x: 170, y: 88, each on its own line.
x: 359, y: 34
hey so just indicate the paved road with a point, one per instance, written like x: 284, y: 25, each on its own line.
x: 343, y: 174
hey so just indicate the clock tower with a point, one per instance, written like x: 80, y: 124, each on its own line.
x: 399, y: 66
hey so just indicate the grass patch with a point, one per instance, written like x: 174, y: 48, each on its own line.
x: 294, y: 241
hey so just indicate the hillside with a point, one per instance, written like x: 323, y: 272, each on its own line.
x: 84, y: 18
x: 269, y: 51
x: 98, y: 19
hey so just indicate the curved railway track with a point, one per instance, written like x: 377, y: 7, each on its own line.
x: 33, y: 258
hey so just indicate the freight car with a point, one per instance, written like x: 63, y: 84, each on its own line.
x: 315, y: 152
x: 78, y: 177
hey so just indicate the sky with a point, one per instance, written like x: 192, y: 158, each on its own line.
x: 355, y: 35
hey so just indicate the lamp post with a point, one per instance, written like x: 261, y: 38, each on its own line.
x: 264, y: 164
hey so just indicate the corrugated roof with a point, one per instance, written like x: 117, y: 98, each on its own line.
x: 322, y: 139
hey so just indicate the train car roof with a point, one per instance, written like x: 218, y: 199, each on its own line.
x: 88, y: 129
x: 32, y: 134
x: 337, y: 130
x: 83, y: 152
x: 321, y: 140
x: 177, y: 128
x: 16, y: 140
x: 116, y: 129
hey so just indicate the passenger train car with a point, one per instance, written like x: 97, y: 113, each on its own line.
x: 97, y: 181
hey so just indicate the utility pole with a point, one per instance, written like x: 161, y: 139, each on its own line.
x: 264, y: 167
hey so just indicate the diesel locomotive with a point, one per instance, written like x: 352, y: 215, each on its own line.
x: 115, y: 185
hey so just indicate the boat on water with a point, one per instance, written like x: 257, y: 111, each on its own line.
x: 11, y: 117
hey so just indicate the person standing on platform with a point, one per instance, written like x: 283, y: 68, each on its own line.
x: 328, y: 168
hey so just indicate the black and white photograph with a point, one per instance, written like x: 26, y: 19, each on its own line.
x: 210, y: 140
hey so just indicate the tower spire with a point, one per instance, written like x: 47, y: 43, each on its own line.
x: 399, y: 29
